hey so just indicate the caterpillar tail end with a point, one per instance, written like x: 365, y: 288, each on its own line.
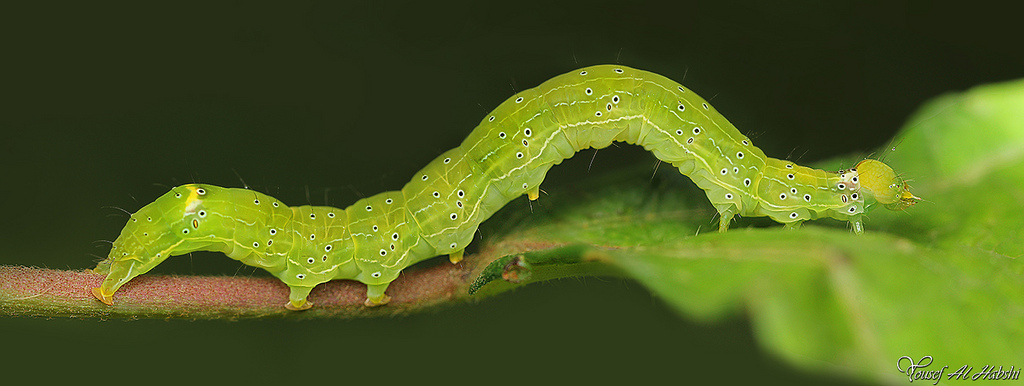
x: 456, y: 257
x: 107, y: 299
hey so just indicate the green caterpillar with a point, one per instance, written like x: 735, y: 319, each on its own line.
x: 506, y: 156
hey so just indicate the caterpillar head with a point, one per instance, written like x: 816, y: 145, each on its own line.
x: 880, y: 182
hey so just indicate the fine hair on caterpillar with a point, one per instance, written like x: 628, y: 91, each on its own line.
x: 506, y: 156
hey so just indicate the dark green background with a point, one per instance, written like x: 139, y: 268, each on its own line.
x: 109, y: 105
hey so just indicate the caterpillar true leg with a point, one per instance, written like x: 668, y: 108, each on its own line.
x: 724, y: 219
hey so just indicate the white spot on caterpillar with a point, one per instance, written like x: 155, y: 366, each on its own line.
x: 453, y: 245
x: 369, y: 208
x: 841, y: 186
x: 312, y: 216
x: 383, y: 252
x: 853, y: 209
x: 312, y: 236
x: 394, y: 236
x: 705, y: 105
x: 256, y: 201
x: 300, y: 276
x: 202, y: 213
x: 725, y: 171
x: 791, y: 176
x: 854, y: 196
x: 389, y: 201
x: 527, y: 132
x: 184, y: 231
x: 728, y: 196
x: 746, y: 181
x: 330, y: 214
x: 491, y: 119
x: 525, y: 186
x: 854, y: 180
x: 681, y: 89
x: 597, y: 114
x: 739, y: 154
x: 615, y: 99
x: 735, y: 170
x: 327, y: 248
x: 178, y: 195
x: 461, y: 193
x: 618, y: 70
x: 519, y: 100
x: 696, y: 131
x: 782, y: 196
x: 375, y: 227
x: 807, y: 197
x: 375, y: 274
x: 679, y: 131
x: 310, y: 260
x: 794, y: 215
x: 424, y: 178
x: 681, y: 107
x: 745, y: 142
x: 437, y: 194
x: 447, y: 160
x: 519, y: 155
x: 789, y: 166
x: 273, y: 231
x: 276, y: 204
x: 501, y: 135
x: 584, y: 72
x: 589, y: 91
x: 455, y: 216
x: 255, y: 244
x: 201, y: 191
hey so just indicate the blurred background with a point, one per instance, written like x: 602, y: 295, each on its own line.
x: 107, y: 106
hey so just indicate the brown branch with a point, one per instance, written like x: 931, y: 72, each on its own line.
x: 49, y: 292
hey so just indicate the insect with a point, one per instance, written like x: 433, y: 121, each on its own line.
x: 504, y: 157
